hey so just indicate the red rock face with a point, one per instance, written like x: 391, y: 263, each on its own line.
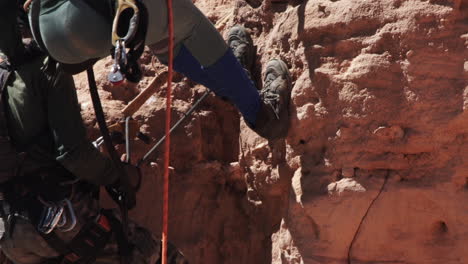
x: 373, y: 169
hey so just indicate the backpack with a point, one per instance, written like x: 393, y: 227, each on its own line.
x: 134, y: 45
x: 9, y: 156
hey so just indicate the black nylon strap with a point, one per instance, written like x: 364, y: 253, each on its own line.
x: 125, y: 247
x: 123, y: 204
x: 91, y: 240
x: 86, y: 245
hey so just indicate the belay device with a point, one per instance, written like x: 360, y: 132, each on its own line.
x: 125, y: 64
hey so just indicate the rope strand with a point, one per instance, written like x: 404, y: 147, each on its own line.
x: 167, y: 132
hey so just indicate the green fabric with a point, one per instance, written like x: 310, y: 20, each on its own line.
x: 44, y: 111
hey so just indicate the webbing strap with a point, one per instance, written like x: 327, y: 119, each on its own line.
x: 83, y: 248
x: 123, y: 177
x: 91, y: 240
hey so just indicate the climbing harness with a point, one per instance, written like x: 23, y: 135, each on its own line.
x: 22, y: 198
x: 89, y: 242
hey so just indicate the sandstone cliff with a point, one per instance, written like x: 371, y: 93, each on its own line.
x: 374, y: 169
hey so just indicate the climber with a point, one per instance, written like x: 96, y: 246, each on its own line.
x: 63, y: 28
x: 50, y: 173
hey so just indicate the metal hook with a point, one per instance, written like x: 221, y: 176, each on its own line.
x: 71, y: 211
x: 120, y: 60
x: 122, y: 5
x: 50, y: 217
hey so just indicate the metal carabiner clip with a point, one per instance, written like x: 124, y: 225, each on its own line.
x: 50, y: 217
x: 120, y: 60
x: 122, y: 5
x: 67, y: 224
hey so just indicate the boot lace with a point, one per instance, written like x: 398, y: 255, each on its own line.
x: 239, y: 48
x: 270, y: 98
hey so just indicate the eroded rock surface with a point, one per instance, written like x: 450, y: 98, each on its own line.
x: 379, y: 129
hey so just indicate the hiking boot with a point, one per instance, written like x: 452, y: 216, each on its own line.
x: 273, y: 118
x: 241, y: 44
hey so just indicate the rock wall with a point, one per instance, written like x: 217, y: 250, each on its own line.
x: 373, y: 169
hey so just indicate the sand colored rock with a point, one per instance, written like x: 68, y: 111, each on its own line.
x: 378, y: 113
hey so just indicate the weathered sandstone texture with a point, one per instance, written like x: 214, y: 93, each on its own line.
x: 375, y: 167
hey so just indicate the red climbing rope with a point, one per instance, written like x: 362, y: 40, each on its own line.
x: 168, y: 134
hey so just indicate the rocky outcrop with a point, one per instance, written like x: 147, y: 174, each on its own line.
x: 373, y: 169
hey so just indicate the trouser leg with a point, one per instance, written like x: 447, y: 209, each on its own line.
x: 204, y: 57
x: 226, y: 78
x: 191, y: 28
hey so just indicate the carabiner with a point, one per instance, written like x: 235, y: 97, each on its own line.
x: 122, y: 5
x: 120, y: 60
x: 69, y: 226
x: 50, y: 218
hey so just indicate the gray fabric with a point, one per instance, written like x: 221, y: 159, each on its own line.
x: 206, y: 44
x: 203, y: 41
x: 73, y: 32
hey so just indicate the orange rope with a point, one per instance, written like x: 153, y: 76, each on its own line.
x: 168, y: 127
